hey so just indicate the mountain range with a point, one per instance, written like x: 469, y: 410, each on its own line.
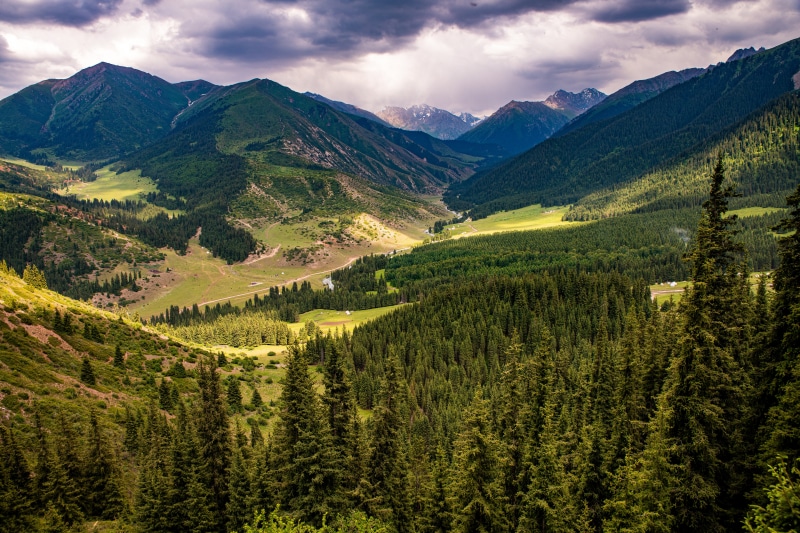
x: 211, y: 147
x: 519, y: 126
x: 436, y: 122
x: 622, y: 148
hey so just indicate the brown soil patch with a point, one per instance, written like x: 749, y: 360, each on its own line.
x: 336, y: 323
x: 42, y: 334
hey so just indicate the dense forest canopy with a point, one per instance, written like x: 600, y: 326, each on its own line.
x: 541, y: 390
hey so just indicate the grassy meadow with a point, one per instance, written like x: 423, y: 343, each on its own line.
x: 112, y: 186
x: 527, y: 218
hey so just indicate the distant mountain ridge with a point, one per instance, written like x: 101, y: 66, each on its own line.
x: 347, y: 108
x: 519, y: 126
x: 617, y: 150
x: 743, y: 53
x: 629, y: 97
x: 573, y: 104
x: 101, y: 112
x: 439, y: 123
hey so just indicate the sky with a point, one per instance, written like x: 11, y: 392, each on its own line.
x: 460, y: 55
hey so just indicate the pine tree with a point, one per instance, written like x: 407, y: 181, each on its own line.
x: 234, y: 394
x: 87, y: 372
x: 387, y: 491
x: 475, y: 490
x: 780, y: 377
x: 782, y: 513
x: 34, y: 277
x: 213, y: 441
x: 119, y: 357
x: 53, y: 483
x: 188, y: 498
x: 256, y: 400
x: 102, y: 494
x: 152, y: 509
x: 165, y: 395
x: 263, y: 486
x: 238, y: 511
x: 309, y: 480
x: 707, y: 390
x: 15, y: 484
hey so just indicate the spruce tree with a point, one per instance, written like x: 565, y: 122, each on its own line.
x: 34, y: 277
x: 238, y: 511
x: 256, y: 400
x: 165, y: 395
x: 87, y: 372
x: 309, y: 480
x: 707, y: 389
x: 234, y: 394
x: 102, y: 494
x: 387, y: 493
x: 189, y: 499
x: 213, y: 440
x: 119, y: 357
x: 780, y: 377
x: 476, y: 495
x: 15, y: 484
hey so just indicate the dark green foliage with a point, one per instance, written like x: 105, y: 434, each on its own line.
x: 476, y: 499
x: 388, y: 495
x: 761, y: 155
x: 256, y: 400
x: 119, y: 357
x: 213, y: 441
x: 707, y: 390
x: 234, y: 394
x: 308, y: 478
x: 102, y: 492
x: 165, y: 395
x: 781, y: 365
x: 87, y: 372
x: 238, y: 511
x: 783, y: 511
x: 15, y: 484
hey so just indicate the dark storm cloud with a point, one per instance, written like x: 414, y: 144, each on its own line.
x: 339, y: 28
x: 61, y: 12
x: 637, y: 10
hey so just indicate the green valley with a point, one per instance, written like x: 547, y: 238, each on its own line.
x: 243, y: 309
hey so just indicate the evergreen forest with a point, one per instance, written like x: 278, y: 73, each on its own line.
x: 532, y: 385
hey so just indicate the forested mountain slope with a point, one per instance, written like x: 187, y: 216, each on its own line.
x: 629, y: 97
x: 559, y: 398
x: 617, y: 150
x: 99, y: 113
x: 762, y: 154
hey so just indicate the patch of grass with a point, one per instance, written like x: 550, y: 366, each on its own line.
x: 526, y: 218
x: 755, y: 211
x: 329, y: 320
x: 22, y: 163
x: 112, y: 186
x: 662, y: 292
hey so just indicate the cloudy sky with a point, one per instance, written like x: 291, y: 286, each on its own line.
x: 462, y: 55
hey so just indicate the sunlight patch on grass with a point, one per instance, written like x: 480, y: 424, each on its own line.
x: 112, y: 186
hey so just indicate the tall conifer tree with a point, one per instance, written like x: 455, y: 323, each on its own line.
x: 214, y: 440
x: 707, y: 389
